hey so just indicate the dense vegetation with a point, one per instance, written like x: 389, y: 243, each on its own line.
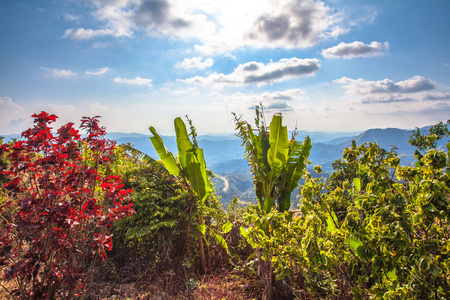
x: 76, y: 212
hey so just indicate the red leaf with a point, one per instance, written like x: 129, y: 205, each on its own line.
x: 12, y: 184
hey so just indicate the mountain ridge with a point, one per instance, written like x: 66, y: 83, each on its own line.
x: 224, y: 153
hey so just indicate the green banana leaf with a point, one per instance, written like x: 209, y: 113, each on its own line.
x: 196, y: 173
x: 256, y: 148
x: 300, y: 163
x: 268, y: 204
x: 293, y: 172
x: 208, y: 188
x: 221, y: 241
x: 183, y: 143
x: 279, y: 146
x: 284, y: 201
x: 166, y: 157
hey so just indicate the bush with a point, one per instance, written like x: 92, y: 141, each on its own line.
x: 376, y: 230
x: 60, y: 204
x: 382, y: 229
x: 162, y: 211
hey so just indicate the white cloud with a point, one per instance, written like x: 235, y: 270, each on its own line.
x: 60, y: 109
x: 220, y: 25
x: 195, y: 63
x: 411, y: 85
x: 185, y: 91
x: 96, y: 106
x: 58, y: 73
x: 287, y: 95
x: 136, y: 81
x: 259, y: 73
x: 86, y: 34
x: 12, y: 116
x: 100, y: 71
x: 356, y: 49
x: 229, y: 55
x: 295, y: 24
x: 417, y: 88
x: 70, y: 17
x: 7, y: 104
x: 274, y: 101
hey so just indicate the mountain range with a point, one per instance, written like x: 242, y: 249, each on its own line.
x: 224, y: 153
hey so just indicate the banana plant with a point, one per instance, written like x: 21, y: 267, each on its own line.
x: 191, y: 168
x: 277, y: 163
x: 190, y: 165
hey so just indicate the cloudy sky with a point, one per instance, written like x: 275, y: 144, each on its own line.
x: 336, y: 65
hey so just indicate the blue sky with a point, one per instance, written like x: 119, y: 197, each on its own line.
x: 325, y: 65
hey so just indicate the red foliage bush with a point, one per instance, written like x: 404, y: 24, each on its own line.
x: 58, y: 204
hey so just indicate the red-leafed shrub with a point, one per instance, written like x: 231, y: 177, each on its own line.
x: 59, y: 202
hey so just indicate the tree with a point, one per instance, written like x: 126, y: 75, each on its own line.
x: 435, y: 133
x: 379, y: 228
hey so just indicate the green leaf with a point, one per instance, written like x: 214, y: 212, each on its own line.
x: 434, y: 270
x: 330, y: 224
x: 166, y: 157
x: 227, y: 227
x: 192, y: 162
x: 300, y: 163
x: 424, y: 264
x: 268, y: 204
x: 298, y: 155
x: 135, y: 152
x: 244, y: 233
x: 279, y: 146
x: 354, y: 242
x: 221, y: 241
x: 195, y: 175
x: 357, y: 184
x: 201, y: 228
x: 184, y: 145
x: 448, y: 157
x: 208, y: 188
x: 391, y: 275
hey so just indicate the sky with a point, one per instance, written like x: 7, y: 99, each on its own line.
x: 334, y: 66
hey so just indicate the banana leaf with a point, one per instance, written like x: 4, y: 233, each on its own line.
x: 184, y: 145
x: 300, y: 163
x: 268, y: 204
x: 293, y: 172
x: 196, y: 172
x: 166, y: 157
x: 279, y: 146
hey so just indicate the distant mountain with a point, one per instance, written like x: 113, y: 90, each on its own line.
x: 325, y: 137
x: 121, y: 135
x: 224, y: 153
x: 341, y: 140
x: 231, y: 166
x: 387, y: 138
